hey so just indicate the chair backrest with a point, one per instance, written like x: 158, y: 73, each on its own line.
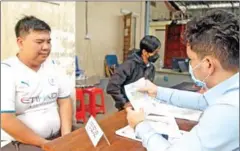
x: 111, y: 60
x: 77, y: 70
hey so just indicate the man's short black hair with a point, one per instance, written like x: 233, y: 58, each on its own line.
x: 216, y: 34
x: 28, y: 23
x: 149, y: 43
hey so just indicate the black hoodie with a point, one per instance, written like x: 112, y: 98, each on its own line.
x: 129, y: 71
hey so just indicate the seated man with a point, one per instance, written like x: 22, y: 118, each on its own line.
x: 137, y: 65
x: 213, y: 47
x: 35, y: 102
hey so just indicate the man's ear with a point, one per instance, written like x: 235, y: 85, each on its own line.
x: 20, y: 42
x: 210, y: 64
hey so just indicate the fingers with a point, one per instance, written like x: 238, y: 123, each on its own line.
x: 143, y: 89
x: 152, y: 95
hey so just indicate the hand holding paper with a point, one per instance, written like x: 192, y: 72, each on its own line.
x: 151, y: 105
x: 149, y: 88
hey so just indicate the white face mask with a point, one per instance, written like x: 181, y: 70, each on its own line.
x: 197, y: 81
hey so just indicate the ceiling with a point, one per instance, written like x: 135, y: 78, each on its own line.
x: 189, y: 5
x: 196, y: 8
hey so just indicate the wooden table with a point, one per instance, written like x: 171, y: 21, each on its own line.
x: 78, y: 140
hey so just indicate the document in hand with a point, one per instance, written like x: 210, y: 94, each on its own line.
x: 154, y: 106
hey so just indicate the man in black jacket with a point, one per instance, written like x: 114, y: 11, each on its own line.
x: 139, y: 64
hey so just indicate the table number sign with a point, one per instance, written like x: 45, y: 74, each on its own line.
x: 94, y: 131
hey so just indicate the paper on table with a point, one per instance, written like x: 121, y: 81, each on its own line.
x: 128, y: 132
x: 161, y: 124
x: 150, y: 105
x: 164, y: 125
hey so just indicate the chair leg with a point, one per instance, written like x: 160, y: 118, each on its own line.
x: 83, y: 112
x: 88, y: 106
x: 80, y: 109
x: 103, y: 103
x: 93, y: 105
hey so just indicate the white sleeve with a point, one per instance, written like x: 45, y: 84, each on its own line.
x: 64, y: 88
x: 7, y: 89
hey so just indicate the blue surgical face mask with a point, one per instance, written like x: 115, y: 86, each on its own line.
x: 196, y: 81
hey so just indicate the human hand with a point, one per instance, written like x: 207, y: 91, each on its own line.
x: 134, y: 117
x: 150, y: 88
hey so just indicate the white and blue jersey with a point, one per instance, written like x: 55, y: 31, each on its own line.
x: 32, y: 95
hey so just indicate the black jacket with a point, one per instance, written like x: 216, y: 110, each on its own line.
x: 129, y: 71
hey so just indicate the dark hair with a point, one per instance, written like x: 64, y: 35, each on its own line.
x: 216, y: 34
x: 149, y: 43
x: 28, y: 23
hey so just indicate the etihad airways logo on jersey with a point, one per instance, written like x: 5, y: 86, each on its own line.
x: 40, y: 99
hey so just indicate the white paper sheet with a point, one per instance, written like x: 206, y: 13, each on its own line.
x: 128, y: 132
x: 164, y: 125
x: 151, y: 106
x: 4, y: 143
x: 94, y: 131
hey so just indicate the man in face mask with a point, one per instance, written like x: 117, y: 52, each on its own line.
x: 139, y: 64
x: 213, y: 49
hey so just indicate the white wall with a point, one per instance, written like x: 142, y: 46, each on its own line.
x: 105, y: 25
x: 160, y: 11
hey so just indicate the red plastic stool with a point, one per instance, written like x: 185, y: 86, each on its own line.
x: 80, y: 111
x: 93, y: 107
